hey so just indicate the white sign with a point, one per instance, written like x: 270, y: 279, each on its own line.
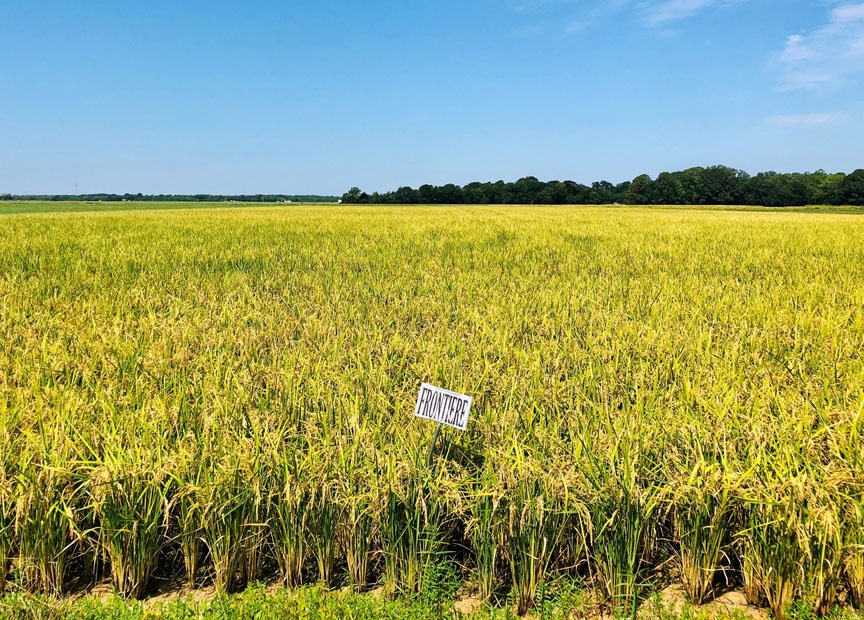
x: 443, y: 406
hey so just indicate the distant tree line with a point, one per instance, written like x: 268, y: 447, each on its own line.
x: 715, y: 185
x: 173, y: 197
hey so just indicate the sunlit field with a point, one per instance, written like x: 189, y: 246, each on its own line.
x: 219, y: 394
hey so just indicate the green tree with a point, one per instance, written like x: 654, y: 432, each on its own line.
x: 668, y: 189
x: 722, y: 185
x: 352, y: 196
x: 641, y: 191
x: 527, y: 190
x: 555, y: 193
x: 450, y: 194
x: 426, y: 194
x: 829, y: 191
x: 601, y: 192
x: 852, y: 188
x: 691, y: 184
x: 405, y: 196
x: 475, y: 193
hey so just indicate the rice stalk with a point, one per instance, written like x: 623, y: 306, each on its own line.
x: 703, y: 517
x: 356, y: 527
x: 484, y: 531
x: 225, y: 502
x: 323, y: 527
x: 289, y: 513
x: 130, y: 500
x: 187, y: 514
x: 410, y: 530
x: 532, y: 531
x: 774, y: 554
x: 44, y: 520
x: 7, y: 524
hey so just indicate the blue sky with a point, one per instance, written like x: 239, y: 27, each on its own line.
x: 318, y: 96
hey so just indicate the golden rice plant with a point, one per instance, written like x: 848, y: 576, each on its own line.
x: 289, y: 505
x: 185, y: 508
x: 7, y: 495
x: 409, y: 518
x: 44, y: 523
x: 703, y: 505
x: 483, y: 528
x: 624, y: 506
x: 774, y: 547
x: 824, y: 571
x: 6, y: 525
x: 323, y: 527
x: 355, y: 495
x: 130, y: 495
x: 853, y: 561
x: 532, y: 531
x: 702, y: 524
x: 851, y: 506
x: 533, y: 511
x: 256, y: 527
x: 225, y: 501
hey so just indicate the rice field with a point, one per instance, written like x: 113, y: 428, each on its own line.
x: 658, y: 394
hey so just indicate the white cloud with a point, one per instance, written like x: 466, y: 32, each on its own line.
x: 568, y: 17
x: 651, y: 13
x: 672, y: 10
x: 816, y: 119
x: 828, y: 56
x: 665, y: 11
x: 534, y: 6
